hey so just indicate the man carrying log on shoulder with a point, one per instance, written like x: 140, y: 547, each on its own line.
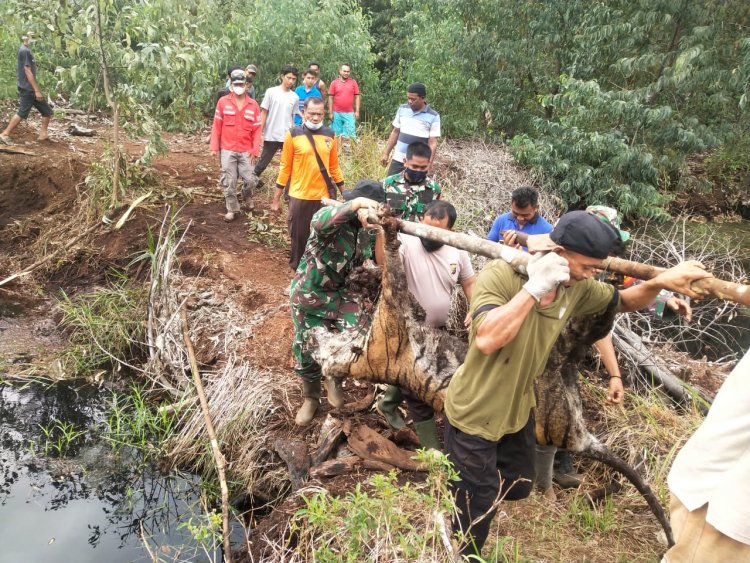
x: 340, y: 240
x: 489, y: 424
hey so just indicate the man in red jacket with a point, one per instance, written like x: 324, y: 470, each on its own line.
x: 236, y: 133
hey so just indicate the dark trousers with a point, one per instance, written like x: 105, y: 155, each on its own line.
x: 298, y: 221
x: 419, y: 411
x: 488, y: 470
x: 270, y: 148
x: 394, y: 168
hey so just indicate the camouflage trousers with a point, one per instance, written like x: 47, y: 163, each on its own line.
x: 304, y: 322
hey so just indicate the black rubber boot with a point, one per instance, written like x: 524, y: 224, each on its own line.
x: 564, y: 474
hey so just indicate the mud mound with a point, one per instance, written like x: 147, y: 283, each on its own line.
x: 32, y: 184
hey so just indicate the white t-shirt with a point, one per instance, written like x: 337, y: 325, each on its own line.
x: 431, y: 276
x: 714, y: 465
x: 280, y: 106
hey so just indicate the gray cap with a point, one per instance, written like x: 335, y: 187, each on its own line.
x: 237, y: 76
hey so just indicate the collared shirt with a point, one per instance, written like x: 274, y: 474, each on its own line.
x: 408, y: 200
x: 343, y: 93
x: 298, y: 162
x: 713, y: 466
x: 236, y: 129
x: 431, y: 276
x: 303, y: 93
x: 414, y: 126
x: 537, y: 226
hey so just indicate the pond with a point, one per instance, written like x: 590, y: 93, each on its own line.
x: 93, y: 503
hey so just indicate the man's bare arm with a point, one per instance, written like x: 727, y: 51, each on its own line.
x: 501, y: 325
x: 34, y: 85
x: 677, y: 279
x: 392, y: 140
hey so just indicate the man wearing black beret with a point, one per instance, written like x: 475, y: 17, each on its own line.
x: 489, y: 426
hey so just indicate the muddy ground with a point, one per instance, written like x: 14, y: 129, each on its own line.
x: 38, y: 191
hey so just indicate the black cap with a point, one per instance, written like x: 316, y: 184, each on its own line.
x: 417, y: 88
x: 370, y: 189
x: 583, y: 233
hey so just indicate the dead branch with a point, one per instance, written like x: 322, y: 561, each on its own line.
x: 14, y: 150
x: 711, y: 287
x: 632, y: 346
x: 106, y: 220
x: 221, y: 462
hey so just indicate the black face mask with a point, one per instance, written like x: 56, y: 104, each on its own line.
x: 415, y: 176
x: 430, y: 245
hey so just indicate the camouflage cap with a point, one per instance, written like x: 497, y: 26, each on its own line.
x: 610, y: 216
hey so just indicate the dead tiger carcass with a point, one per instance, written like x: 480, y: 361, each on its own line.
x: 399, y: 349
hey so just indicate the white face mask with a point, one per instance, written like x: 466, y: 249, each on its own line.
x: 239, y: 90
x: 313, y: 126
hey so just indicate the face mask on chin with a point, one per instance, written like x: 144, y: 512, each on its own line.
x: 430, y: 245
x: 313, y: 126
x: 239, y: 90
x: 415, y: 176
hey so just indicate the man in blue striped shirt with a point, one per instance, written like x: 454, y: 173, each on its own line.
x: 523, y: 217
x: 414, y: 121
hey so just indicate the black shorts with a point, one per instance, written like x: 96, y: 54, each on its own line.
x: 28, y: 99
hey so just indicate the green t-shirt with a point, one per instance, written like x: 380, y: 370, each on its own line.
x: 491, y: 395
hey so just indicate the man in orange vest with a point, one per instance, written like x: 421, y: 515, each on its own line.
x: 310, y: 163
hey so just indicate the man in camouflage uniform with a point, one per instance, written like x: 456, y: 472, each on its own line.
x: 409, y: 191
x: 340, y: 240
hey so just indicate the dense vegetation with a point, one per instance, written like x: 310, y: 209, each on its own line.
x: 605, y: 100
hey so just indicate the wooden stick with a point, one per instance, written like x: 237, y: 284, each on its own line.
x: 28, y: 269
x: 710, y: 287
x: 221, y: 462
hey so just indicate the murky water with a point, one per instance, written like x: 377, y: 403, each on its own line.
x: 91, y: 504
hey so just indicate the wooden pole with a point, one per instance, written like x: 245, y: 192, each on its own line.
x: 710, y: 287
x: 219, y: 458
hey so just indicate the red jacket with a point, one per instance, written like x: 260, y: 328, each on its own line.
x: 236, y: 129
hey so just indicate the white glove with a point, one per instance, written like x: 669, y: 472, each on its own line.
x: 546, y: 272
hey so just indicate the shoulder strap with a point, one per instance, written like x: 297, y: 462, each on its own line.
x: 321, y: 166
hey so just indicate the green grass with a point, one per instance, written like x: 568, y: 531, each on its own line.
x: 380, y: 520
x: 105, y: 327
x: 60, y: 438
x: 360, y: 158
x: 133, y: 421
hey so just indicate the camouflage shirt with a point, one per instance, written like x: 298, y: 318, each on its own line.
x: 336, y: 246
x: 408, y: 200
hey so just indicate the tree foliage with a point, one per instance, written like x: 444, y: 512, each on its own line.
x: 606, y: 100
x: 171, y: 56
